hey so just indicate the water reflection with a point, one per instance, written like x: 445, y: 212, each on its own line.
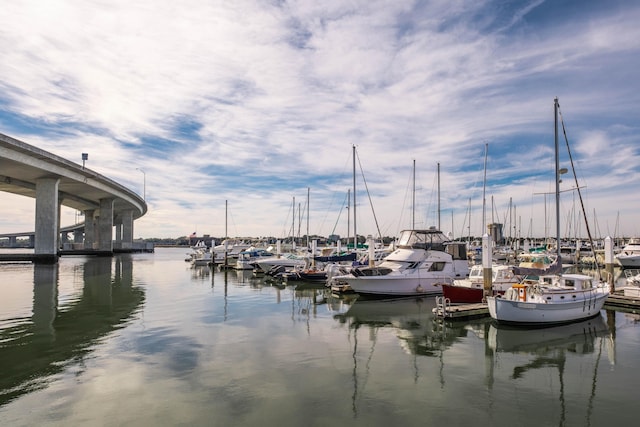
x: 555, y: 348
x: 32, y: 351
x: 412, y: 318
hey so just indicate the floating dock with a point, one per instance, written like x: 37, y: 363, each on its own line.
x: 446, y: 310
x: 618, y: 300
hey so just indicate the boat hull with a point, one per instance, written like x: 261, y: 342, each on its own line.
x: 630, y: 261
x: 398, y: 286
x: 534, y: 313
x: 462, y: 294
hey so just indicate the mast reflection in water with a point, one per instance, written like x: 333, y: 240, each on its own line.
x: 147, y: 339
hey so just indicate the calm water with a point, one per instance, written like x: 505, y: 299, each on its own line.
x: 147, y: 340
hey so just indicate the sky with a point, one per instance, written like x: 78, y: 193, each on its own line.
x: 242, y: 117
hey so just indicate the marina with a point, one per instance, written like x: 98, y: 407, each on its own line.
x: 149, y: 339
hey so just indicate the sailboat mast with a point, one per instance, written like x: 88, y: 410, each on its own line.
x: 355, y: 232
x: 484, y: 185
x: 308, y: 209
x: 555, y: 117
x: 348, y: 215
x: 439, y: 228
x: 413, y: 202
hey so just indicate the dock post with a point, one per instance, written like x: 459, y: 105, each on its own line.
x: 608, y: 262
x: 486, y: 265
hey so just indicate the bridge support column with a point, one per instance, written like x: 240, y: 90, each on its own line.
x: 118, y: 236
x: 127, y: 229
x: 89, y: 229
x: 78, y: 236
x: 105, y: 226
x: 47, y: 214
x: 13, y: 241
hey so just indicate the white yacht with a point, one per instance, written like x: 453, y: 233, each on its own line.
x: 423, y: 259
x: 629, y: 257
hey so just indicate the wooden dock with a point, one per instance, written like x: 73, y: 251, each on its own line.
x: 619, y: 301
x: 446, y: 310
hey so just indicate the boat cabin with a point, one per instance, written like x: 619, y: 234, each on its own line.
x: 432, y: 239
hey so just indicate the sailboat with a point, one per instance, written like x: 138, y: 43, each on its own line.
x: 554, y: 299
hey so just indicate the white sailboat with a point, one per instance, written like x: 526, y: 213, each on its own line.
x: 560, y: 298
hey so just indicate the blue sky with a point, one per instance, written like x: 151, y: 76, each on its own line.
x: 259, y: 102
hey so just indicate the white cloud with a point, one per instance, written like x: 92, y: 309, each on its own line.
x: 216, y: 101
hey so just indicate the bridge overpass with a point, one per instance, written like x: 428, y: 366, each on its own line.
x: 54, y: 182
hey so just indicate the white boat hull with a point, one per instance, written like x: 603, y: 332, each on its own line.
x: 628, y: 261
x: 509, y: 311
x: 402, y: 285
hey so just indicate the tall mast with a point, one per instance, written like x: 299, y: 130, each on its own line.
x: 308, y: 209
x: 439, y: 228
x: 355, y: 232
x: 555, y: 117
x: 348, y: 215
x: 484, y: 185
x: 413, y: 202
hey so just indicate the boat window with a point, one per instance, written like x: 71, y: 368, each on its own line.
x: 422, y: 239
x: 437, y: 266
x: 570, y: 283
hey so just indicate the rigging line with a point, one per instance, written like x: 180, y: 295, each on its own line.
x: 339, y: 213
x: 369, y: 196
x: 586, y: 221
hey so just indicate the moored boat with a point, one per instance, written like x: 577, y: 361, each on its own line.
x: 557, y: 298
x: 471, y: 289
x: 554, y: 299
x: 629, y: 257
x: 423, y: 259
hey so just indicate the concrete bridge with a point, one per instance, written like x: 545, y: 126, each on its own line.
x: 54, y: 182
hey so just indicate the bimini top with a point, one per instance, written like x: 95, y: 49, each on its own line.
x: 431, y: 238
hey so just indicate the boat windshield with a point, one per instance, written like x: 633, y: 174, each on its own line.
x: 422, y: 239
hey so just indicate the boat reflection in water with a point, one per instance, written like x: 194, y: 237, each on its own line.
x: 412, y: 318
x: 578, y: 337
x: 525, y: 355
